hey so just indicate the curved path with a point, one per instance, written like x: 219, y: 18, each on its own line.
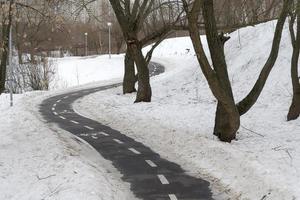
x: 150, y: 176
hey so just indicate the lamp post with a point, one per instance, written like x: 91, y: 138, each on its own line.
x: 86, y: 43
x: 109, y: 24
x: 10, y: 67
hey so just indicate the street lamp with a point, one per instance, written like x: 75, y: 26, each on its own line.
x: 109, y: 24
x: 10, y: 67
x: 86, y: 43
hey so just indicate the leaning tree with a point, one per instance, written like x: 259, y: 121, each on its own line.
x: 228, y: 113
x: 294, y: 110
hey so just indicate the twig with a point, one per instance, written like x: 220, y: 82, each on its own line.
x: 286, y: 150
x: 42, y: 178
x: 252, y: 131
x: 264, y: 197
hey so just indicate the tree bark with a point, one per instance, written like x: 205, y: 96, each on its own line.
x: 294, y: 110
x: 129, y: 75
x: 144, y: 92
x: 227, y: 123
x: 4, y: 57
x: 5, y: 51
x: 227, y: 119
x: 130, y: 20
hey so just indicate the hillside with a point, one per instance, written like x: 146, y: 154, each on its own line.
x: 264, y: 161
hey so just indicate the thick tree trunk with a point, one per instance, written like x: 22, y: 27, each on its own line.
x: 226, y: 123
x: 227, y: 120
x: 144, y: 92
x: 227, y: 116
x: 129, y: 75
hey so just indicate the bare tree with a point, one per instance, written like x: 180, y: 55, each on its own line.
x: 228, y: 113
x: 39, y: 73
x: 6, y: 15
x: 294, y: 110
x: 132, y: 15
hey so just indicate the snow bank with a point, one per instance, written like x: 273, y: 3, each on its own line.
x: 264, y: 161
x: 37, y: 162
x: 74, y: 71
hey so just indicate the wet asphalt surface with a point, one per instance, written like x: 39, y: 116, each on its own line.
x: 150, y: 176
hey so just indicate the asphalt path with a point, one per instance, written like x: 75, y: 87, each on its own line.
x: 150, y: 176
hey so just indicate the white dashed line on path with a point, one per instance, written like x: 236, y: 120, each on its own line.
x: 53, y: 108
x: 118, y: 141
x: 66, y: 97
x: 58, y: 101
x: 173, y: 197
x: 90, y: 128
x: 74, y: 122
x: 151, y: 163
x: 55, y: 113
x: 163, y: 179
x: 134, y: 151
x: 62, y: 117
x: 105, y: 134
x: 54, y: 105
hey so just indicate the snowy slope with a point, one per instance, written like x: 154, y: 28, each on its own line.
x: 264, y: 161
x: 74, y: 71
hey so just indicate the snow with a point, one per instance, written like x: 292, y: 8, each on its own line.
x: 264, y: 161
x: 41, y: 162
x: 75, y: 71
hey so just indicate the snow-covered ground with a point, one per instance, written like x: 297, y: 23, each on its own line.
x: 264, y: 161
x: 74, y: 71
x: 41, y: 162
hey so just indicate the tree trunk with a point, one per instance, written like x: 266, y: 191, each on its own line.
x: 4, y: 57
x: 226, y: 123
x: 5, y: 51
x: 294, y: 110
x: 227, y: 120
x: 144, y: 92
x: 129, y: 75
